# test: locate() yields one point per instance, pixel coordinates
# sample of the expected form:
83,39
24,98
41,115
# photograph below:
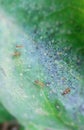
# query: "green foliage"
51,32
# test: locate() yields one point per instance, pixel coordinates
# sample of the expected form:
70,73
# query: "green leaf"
4,115
50,60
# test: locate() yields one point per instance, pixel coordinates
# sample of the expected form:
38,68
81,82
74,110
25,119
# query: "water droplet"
57,107
21,74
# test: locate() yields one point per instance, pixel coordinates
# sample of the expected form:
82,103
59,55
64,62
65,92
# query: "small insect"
66,91
39,83
16,54
19,46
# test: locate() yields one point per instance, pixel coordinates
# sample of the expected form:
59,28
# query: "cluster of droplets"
53,57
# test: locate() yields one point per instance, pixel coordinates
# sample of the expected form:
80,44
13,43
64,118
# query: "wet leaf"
48,35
